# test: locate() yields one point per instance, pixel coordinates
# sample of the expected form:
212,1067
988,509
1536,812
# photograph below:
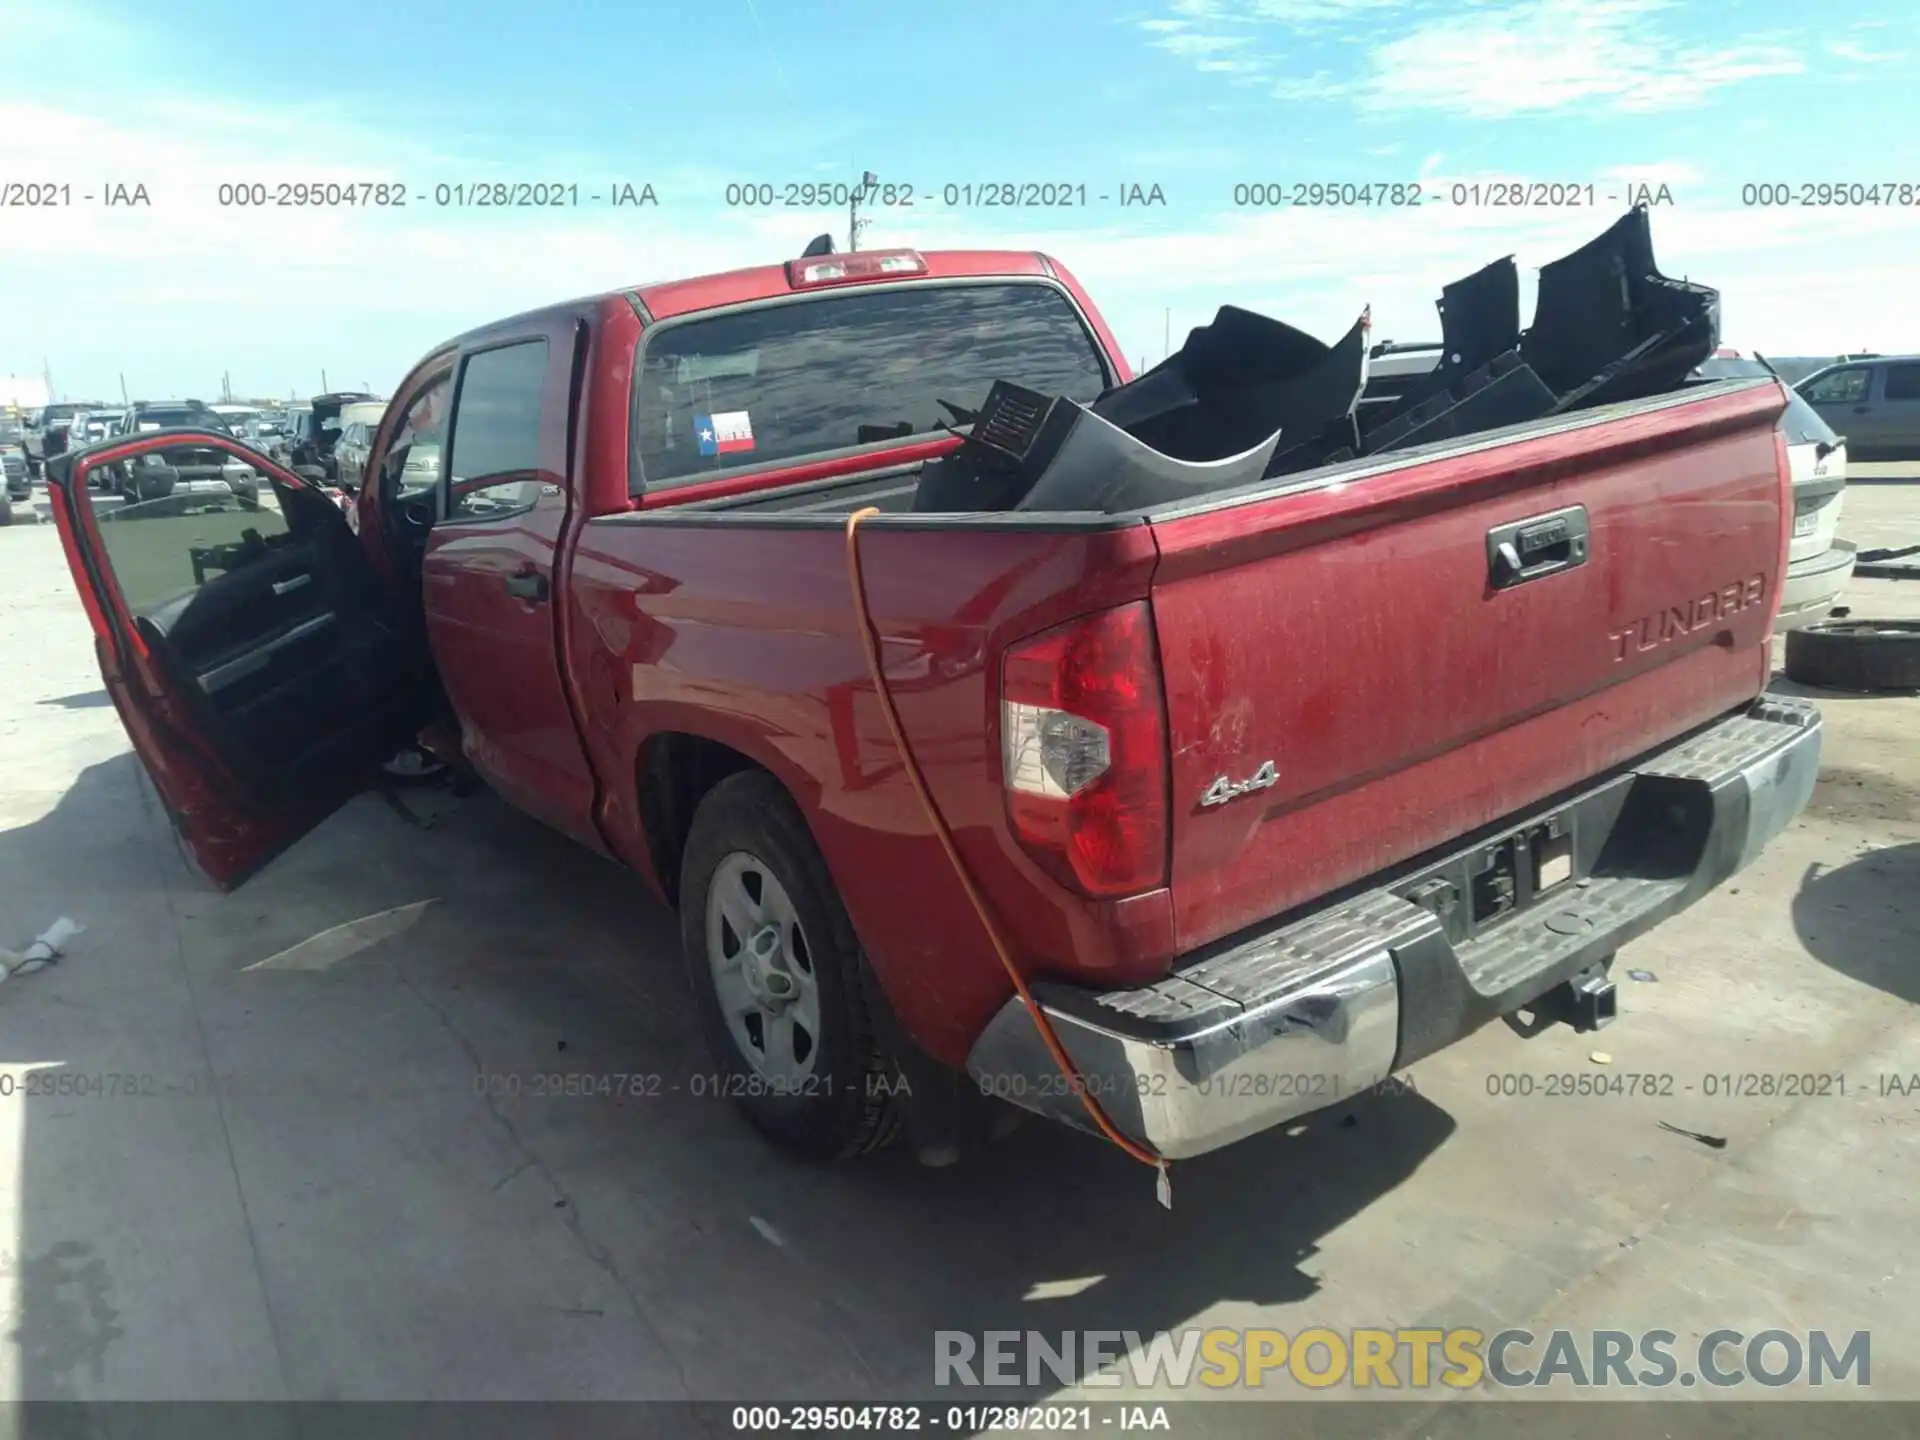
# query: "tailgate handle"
1535,548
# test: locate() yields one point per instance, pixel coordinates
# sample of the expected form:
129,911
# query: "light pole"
854,223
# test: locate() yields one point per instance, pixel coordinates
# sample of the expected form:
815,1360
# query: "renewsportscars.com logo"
1411,1359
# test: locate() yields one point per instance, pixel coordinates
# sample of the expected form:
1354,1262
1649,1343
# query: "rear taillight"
1084,752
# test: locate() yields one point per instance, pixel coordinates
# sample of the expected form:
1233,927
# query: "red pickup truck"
1271,789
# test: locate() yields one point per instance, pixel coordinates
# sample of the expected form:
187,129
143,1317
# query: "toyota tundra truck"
1270,781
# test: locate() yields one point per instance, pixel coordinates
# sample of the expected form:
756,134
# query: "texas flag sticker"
726,433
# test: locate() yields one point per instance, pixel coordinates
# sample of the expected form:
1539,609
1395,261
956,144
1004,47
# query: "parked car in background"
13,465
46,432
236,416
266,432
358,422
89,426
1394,368
1874,402
188,467
293,424
319,430
1819,562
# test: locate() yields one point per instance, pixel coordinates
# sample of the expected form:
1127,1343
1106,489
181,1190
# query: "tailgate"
1355,673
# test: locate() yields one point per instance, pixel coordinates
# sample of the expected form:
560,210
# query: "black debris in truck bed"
1247,389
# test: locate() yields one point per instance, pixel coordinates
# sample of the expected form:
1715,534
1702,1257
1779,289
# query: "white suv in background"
1819,562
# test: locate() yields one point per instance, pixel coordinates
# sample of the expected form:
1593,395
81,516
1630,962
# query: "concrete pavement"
307,1153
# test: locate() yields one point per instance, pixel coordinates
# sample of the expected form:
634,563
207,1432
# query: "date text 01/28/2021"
952,1419
460,195
949,195
1460,194
1245,1085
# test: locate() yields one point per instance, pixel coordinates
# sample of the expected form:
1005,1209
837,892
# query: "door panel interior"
269,624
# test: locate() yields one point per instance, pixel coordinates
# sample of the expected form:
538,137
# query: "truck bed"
892,489
1340,624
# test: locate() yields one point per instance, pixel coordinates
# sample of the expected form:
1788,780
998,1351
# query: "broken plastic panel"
1479,323
1608,327
1237,381
1029,451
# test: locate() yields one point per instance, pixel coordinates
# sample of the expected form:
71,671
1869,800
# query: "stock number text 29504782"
948,195
1434,194
443,195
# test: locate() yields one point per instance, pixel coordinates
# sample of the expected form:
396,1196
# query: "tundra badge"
1223,789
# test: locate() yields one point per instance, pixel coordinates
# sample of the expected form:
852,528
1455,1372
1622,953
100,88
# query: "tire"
1857,655
154,482
832,1096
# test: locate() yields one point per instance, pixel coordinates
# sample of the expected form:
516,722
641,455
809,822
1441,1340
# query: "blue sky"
1195,96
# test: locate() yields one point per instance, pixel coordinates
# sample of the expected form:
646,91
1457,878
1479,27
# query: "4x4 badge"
1224,789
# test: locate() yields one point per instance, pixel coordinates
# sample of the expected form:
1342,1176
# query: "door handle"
1860,409
528,585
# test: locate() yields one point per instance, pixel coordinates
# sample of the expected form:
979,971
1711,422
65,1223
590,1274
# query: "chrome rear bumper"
1298,1016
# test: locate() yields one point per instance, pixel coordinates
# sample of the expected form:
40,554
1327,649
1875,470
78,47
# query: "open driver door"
255,657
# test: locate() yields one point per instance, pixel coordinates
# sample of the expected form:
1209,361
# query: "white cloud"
1503,60
1320,85
174,296
1305,14
1488,60
1861,53
1223,37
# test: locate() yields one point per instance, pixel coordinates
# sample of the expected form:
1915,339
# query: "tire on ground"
1857,655
849,1105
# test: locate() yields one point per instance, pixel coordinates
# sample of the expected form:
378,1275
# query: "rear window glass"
846,370
162,419
1801,423
1903,382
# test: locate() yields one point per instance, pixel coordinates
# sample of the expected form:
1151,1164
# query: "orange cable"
870,643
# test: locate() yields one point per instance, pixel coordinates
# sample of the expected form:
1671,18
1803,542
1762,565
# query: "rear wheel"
783,991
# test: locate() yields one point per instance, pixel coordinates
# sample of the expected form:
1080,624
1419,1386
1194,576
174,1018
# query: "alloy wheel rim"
763,970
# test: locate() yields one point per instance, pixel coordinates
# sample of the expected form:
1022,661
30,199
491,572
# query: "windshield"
58,412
